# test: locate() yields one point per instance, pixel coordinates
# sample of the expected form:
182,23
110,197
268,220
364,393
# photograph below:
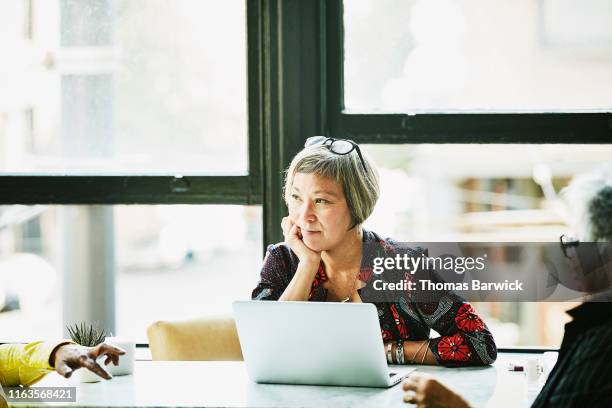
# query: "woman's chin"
314,243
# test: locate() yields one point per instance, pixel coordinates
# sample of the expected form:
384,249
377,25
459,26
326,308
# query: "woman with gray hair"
331,188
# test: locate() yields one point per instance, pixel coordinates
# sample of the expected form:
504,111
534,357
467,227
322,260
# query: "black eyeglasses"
337,146
567,242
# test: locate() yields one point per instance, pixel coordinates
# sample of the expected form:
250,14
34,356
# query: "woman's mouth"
310,233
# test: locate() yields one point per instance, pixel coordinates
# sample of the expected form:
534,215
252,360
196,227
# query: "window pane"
484,193
166,261
124,86
475,55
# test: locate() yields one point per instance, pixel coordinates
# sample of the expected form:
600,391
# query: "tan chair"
211,338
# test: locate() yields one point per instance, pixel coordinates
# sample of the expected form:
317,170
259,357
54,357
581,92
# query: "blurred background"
159,87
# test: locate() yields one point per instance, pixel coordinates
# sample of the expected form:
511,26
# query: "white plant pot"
85,376
126,361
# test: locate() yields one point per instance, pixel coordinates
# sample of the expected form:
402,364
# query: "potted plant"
88,335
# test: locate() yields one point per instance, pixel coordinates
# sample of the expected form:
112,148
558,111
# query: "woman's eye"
295,196
321,201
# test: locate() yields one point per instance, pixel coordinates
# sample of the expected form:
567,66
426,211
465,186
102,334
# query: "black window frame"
304,55
295,90
170,188
540,128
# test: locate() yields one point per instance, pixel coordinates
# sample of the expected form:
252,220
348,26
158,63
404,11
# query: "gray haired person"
331,188
582,376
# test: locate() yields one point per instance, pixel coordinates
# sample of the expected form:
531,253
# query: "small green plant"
88,335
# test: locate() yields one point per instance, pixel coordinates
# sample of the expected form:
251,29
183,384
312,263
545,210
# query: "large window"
165,262
477,55
405,77
124,87
106,103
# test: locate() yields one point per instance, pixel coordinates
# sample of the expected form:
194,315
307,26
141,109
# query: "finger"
286,221
283,222
111,357
105,348
410,397
63,369
296,233
289,224
410,383
293,230
113,350
286,226
94,367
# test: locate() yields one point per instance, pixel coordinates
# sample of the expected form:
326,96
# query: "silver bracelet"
426,350
400,352
389,358
413,360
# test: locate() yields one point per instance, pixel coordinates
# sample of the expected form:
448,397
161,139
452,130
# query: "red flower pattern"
365,273
386,335
399,323
467,319
387,247
454,348
320,277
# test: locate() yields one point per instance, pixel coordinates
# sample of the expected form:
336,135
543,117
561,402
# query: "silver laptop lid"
312,343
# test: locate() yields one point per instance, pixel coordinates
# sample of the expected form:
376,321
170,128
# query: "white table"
188,384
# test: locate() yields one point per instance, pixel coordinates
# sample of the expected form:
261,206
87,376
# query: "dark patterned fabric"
582,376
464,337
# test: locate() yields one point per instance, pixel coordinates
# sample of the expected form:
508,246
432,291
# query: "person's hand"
293,238
69,357
426,392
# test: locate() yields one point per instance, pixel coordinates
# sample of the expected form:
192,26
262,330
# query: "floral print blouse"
464,337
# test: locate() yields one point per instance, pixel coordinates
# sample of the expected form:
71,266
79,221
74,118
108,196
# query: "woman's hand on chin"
293,238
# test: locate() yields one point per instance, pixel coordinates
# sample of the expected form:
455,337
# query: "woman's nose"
307,212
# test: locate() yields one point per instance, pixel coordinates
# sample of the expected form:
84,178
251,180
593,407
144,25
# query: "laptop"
313,343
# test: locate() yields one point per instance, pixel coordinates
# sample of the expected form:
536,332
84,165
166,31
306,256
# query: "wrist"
417,347
310,265
53,354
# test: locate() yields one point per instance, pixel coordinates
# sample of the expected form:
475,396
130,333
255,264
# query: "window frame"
547,127
307,48
299,42
170,188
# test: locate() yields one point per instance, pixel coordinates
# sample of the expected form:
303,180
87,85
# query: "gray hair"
361,189
590,199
